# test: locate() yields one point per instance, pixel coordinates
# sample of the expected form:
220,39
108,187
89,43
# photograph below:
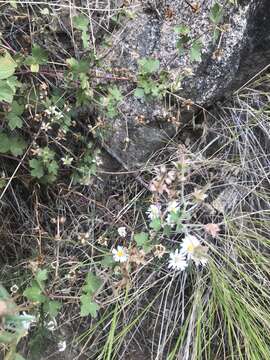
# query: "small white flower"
51,325
14,288
51,110
122,231
177,261
173,206
59,115
120,254
62,345
45,126
98,160
192,248
153,212
67,160
199,195
188,245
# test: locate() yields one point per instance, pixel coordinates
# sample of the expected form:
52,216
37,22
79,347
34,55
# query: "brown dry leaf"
188,104
196,7
160,250
199,195
158,186
137,256
212,229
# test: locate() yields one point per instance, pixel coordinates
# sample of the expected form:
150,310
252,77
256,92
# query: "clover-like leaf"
148,66
92,283
88,307
7,66
216,13
196,51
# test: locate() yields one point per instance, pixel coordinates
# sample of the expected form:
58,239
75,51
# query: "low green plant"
14,326
150,82
12,144
8,82
39,57
91,286
86,166
81,22
36,293
44,166
112,100
186,43
216,16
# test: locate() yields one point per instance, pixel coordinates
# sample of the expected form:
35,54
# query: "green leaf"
17,108
6,92
167,230
17,145
155,224
116,93
34,293
34,68
216,34
85,39
13,83
7,66
53,167
14,144
92,283
107,261
14,121
139,93
39,54
39,57
18,357
52,307
216,13
7,337
148,66
81,22
41,276
37,168
88,307
180,45
4,144
77,67
196,51
182,29
142,240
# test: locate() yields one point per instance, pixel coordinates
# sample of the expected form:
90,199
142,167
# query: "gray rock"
244,49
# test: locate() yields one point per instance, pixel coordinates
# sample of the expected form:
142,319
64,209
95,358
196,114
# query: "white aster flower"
62,345
154,212
177,261
192,248
122,231
173,206
120,254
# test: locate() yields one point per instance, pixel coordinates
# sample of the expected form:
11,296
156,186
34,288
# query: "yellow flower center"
190,248
120,253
